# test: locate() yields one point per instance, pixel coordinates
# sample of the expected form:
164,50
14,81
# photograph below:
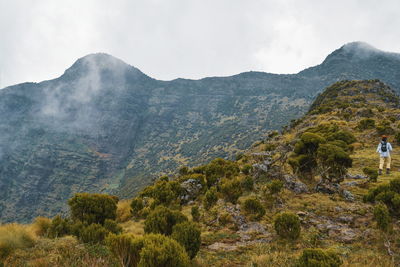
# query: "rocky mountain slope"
264,209
104,126
333,213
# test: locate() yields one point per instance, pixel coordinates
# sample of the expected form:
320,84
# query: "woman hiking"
384,149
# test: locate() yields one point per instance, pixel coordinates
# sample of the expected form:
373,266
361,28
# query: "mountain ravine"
104,126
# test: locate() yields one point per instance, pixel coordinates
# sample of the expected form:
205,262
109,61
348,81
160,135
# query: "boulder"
294,184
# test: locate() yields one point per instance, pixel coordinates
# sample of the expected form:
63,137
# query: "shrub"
112,226
248,183
287,225
333,162
159,250
254,207
304,165
220,168
137,206
59,227
188,235
387,194
371,173
275,187
12,237
42,226
93,208
309,143
382,218
183,170
344,136
195,213
317,257
126,248
366,124
163,192
93,233
246,169
231,190
161,220
210,198
397,137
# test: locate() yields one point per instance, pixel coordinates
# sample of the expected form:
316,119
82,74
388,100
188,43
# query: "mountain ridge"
113,130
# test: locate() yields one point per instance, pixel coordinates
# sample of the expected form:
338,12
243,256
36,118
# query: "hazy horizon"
186,39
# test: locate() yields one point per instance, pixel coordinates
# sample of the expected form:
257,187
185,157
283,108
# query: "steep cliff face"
105,126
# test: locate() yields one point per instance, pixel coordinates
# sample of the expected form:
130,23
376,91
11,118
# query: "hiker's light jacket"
387,153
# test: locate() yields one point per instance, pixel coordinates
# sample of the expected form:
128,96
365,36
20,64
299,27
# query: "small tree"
161,220
210,198
188,235
287,225
333,162
93,208
231,190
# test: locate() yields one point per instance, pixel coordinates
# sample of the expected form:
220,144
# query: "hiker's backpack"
383,146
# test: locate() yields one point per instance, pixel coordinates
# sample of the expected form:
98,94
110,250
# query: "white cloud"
187,38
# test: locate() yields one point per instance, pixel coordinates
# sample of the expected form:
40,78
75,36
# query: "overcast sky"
168,39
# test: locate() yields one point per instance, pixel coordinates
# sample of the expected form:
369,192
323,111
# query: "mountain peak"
359,46
100,62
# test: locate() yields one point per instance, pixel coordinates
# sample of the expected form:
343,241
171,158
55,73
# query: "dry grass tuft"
124,211
14,236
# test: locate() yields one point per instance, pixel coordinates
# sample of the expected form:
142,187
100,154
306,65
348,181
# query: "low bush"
287,225
137,206
93,233
41,226
388,194
126,248
248,183
159,250
231,190
112,226
246,169
253,207
318,257
371,173
93,208
161,220
382,218
59,227
188,235
195,213
275,187
366,124
210,198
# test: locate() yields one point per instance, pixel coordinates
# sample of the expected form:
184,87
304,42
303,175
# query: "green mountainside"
309,196
104,126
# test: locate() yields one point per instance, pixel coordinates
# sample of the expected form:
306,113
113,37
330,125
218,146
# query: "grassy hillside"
236,204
